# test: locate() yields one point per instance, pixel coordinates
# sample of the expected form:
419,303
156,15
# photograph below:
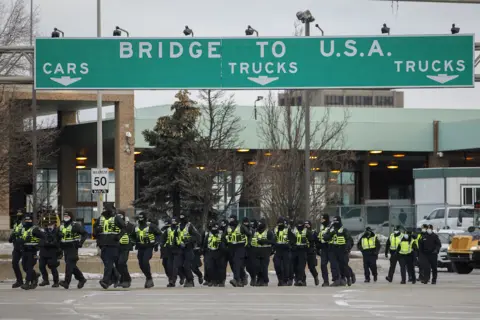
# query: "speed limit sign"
99,180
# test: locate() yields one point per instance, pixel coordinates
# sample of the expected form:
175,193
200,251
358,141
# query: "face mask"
141,219
261,227
405,236
183,220
233,223
66,219
368,233
396,232
300,228
214,231
424,230
50,228
281,227
429,231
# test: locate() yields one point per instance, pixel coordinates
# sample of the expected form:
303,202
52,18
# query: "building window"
384,101
331,100
470,194
46,189
281,102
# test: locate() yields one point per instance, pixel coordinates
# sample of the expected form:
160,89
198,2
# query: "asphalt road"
454,297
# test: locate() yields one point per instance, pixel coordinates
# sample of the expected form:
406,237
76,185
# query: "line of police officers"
246,246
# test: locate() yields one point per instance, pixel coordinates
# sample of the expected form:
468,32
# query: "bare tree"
16,151
282,168
212,181
15,31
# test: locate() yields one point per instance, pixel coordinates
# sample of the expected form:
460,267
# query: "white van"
453,218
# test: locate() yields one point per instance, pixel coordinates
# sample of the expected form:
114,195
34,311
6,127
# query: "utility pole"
34,127
306,103
99,115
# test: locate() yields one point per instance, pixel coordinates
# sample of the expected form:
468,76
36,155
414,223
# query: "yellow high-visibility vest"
369,243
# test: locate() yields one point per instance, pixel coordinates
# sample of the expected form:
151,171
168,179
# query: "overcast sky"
217,18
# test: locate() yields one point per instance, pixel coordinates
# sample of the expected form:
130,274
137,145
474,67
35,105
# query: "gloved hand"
386,255
155,248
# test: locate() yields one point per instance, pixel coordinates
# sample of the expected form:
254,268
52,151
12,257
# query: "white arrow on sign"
442,78
262,80
65,80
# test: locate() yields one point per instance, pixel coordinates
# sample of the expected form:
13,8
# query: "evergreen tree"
167,161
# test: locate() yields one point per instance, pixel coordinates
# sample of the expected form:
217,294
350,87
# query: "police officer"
49,254
145,234
113,225
303,236
338,254
203,247
30,238
72,235
186,235
126,241
312,254
405,257
214,246
419,255
323,248
391,247
16,239
227,256
430,246
197,261
282,259
237,237
250,258
262,242
165,253
369,245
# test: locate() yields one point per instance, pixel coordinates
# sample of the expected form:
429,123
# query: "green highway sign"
253,63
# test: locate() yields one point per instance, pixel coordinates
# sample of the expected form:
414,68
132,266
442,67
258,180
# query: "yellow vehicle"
464,250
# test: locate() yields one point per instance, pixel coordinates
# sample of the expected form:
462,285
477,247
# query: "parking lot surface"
454,297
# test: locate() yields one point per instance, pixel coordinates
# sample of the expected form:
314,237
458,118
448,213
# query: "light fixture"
57,32
332,180
80,167
276,166
30,164
201,168
243,150
111,169
137,152
259,98
315,169
385,29
321,30
187,31
118,32
268,154
313,157
469,158
454,29
250,31
376,151
399,155
373,164
305,16
335,171
392,166
252,163
81,158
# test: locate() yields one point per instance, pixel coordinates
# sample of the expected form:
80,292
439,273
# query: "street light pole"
34,127
99,115
307,139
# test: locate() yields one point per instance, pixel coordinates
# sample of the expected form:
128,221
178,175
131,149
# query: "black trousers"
261,261
299,261
282,263
109,255
52,262
16,257
406,266
239,255
429,265
197,263
144,255
339,262
369,265
249,261
214,266
324,264
312,263
29,260
182,260
393,264
70,256
419,259
122,264
225,262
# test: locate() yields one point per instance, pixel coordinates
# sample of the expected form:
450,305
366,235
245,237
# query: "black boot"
64,284
200,280
55,284
81,283
104,284
149,284
189,284
233,282
326,284
17,285
26,286
317,282
44,283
